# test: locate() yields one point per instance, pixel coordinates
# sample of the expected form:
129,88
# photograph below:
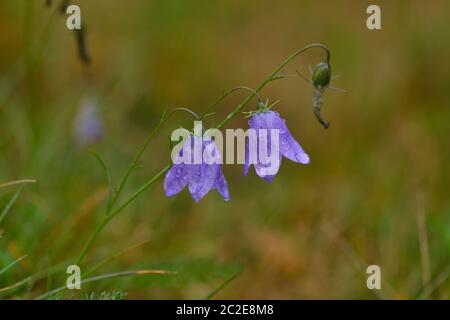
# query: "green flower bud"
322,75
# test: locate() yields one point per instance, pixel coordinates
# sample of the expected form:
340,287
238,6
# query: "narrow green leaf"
16,182
11,264
108,276
114,256
223,285
9,205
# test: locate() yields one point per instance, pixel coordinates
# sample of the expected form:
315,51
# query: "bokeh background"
376,191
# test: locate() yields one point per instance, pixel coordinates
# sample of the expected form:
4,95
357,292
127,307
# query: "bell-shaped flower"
198,165
269,140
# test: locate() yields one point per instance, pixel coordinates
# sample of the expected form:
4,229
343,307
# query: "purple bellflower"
271,141
200,176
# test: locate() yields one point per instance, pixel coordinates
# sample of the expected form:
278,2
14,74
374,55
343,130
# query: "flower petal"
267,166
176,179
290,148
200,178
203,180
262,120
269,171
247,160
222,186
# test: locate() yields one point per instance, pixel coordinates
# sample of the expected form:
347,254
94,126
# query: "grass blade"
11,264
35,277
109,276
12,183
9,205
114,256
108,177
223,285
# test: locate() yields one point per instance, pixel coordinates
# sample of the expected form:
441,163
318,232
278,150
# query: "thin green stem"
97,231
9,205
138,156
35,277
226,94
109,212
92,239
223,285
192,113
270,78
140,190
113,257
134,163
12,264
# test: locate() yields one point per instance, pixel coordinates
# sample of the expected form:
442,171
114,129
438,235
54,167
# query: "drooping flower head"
270,141
199,176
321,77
320,80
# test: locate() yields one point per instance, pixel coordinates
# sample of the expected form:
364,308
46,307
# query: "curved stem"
138,156
134,163
226,94
272,77
185,110
146,185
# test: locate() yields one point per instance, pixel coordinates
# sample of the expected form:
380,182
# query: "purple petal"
200,178
290,148
211,155
247,160
222,186
266,120
203,180
262,120
261,170
176,179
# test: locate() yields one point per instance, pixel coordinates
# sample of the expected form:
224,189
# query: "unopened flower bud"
322,75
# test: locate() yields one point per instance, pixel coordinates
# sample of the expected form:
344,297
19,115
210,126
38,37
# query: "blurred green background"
376,191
